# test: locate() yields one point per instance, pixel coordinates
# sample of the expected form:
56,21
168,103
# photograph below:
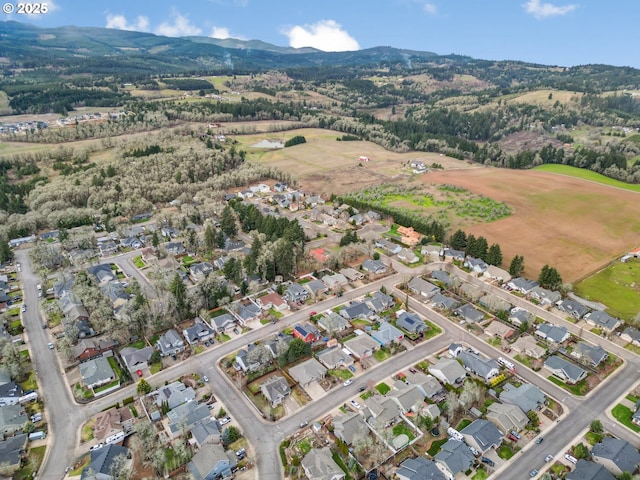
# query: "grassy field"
574,225
617,286
587,175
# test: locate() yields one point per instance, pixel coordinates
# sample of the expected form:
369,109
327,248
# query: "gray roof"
450,252
206,429
484,367
387,333
521,315
523,284
423,287
632,332
485,433
441,276
197,331
295,290
223,321
429,384
185,416
442,301
595,353
573,308
456,456
96,371
134,356
12,417
275,388
411,322
528,397
175,394
469,313
332,321
408,398
374,266
356,310
419,468
170,341
565,369
586,470
315,286
620,452
308,371
362,345
318,464
211,462
451,370
348,427
603,319
11,447
553,332
101,461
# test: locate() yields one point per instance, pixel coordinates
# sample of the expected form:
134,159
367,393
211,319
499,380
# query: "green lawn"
342,373
366,395
623,414
481,474
381,355
155,367
138,262
401,429
463,423
579,388
432,331
616,286
505,452
587,175
34,459
383,388
116,368
436,445
30,383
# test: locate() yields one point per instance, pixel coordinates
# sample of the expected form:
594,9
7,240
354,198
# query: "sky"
554,32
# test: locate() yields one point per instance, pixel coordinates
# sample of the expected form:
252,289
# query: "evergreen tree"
458,240
179,292
549,278
155,240
481,248
494,255
6,253
228,222
517,266
470,248
209,237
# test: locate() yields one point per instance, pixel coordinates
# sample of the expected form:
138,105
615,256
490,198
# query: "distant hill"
250,45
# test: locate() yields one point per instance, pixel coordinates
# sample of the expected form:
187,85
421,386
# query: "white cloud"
544,10
179,26
326,35
121,23
430,8
223,33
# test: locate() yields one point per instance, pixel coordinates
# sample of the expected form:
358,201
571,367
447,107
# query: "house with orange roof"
320,254
409,236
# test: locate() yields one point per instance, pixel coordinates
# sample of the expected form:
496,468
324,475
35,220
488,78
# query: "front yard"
624,414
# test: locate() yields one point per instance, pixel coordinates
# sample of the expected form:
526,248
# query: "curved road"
66,417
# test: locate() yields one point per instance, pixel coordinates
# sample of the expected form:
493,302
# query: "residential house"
411,322
455,457
430,410
352,274
103,273
246,362
361,346
296,293
527,345
469,313
374,266
455,349
219,262
589,354
451,254
116,293
111,422
308,372
448,370
316,287
387,334
522,285
319,254
443,302
331,322
356,310
212,462
408,256
433,251
223,322
409,399
200,331
200,271
12,449
616,455
482,435
495,304
272,301
409,236
565,371
419,468
275,390
526,396
476,265
427,384
586,470
107,247
495,273
174,394
573,308
86,349
631,334
423,288
357,219
307,332
335,282
136,358
379,302
487,368
174,248
380,411
602,320
278,343
442,277
97,372
499,330
519,316
131,242
181,419
246,312
349,427
12,418
319,464
552,333
388,246
507,416
544,296
170,343
373,216
206,431
334,358
102,460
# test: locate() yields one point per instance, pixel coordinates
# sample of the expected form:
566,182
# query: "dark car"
362,388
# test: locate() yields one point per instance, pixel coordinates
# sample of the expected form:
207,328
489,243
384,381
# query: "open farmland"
587,175
574,225
324,165
617,286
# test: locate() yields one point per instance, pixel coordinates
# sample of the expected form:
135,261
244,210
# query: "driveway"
315,391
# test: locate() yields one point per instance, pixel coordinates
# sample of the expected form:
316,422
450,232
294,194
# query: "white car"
347,383
23,308
355,404
97,446
225,420
50,345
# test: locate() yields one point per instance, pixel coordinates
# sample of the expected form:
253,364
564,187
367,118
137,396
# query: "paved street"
65,416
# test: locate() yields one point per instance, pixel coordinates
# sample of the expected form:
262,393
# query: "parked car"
97,446
23,308
515,434
488,461
533,473
539,440
511,437
413,370
362,388
304,424
548,458
355,404
225,420
50,345
573,460
139,372
348,382
205,378
241,453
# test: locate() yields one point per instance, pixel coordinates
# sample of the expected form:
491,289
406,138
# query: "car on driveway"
347,383
355,404
548,458
225,420
205,378
139,372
